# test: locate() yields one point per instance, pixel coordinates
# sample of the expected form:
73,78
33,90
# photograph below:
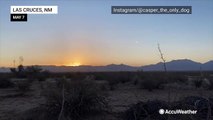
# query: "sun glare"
74,64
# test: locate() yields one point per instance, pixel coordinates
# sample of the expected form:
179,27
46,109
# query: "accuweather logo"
178,111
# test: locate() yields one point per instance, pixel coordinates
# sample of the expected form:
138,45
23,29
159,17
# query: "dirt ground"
13,103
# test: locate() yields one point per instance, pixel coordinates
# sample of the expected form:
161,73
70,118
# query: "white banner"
34,9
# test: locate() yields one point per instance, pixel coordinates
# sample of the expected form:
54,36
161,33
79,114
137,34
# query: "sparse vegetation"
211,83
198,83
151,82
146,110
136,79
85,95
81,98
148,84
24,85
32,72
150,110
5,83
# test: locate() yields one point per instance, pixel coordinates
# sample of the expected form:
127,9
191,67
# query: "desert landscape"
106,60
30,93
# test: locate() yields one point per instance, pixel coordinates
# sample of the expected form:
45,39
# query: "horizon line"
105,64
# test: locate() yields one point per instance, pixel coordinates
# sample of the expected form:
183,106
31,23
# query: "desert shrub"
24,85
182,79
60,82
103,85
19,72
148,84
136,79
6,83
26,72
80,99
146,111
99,76
89,77
42,76
124,78
198,83
211,83
135,82
152,81
112,84
150,110
204,106
112,80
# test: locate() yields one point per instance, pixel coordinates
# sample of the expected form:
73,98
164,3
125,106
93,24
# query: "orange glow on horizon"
74,64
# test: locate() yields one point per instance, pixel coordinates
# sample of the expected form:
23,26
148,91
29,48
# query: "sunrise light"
74,64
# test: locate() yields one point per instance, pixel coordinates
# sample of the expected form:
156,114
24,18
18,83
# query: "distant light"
74,64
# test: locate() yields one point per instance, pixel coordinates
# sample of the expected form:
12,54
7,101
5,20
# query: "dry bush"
80,99
43,76
112,83
151,82
24,85
148,84
198,83
211,83
150,110
136,79
6,83
124,78
146,111
113,80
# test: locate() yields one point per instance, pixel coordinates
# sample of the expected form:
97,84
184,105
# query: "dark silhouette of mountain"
87,68
208,65
174,65
120,67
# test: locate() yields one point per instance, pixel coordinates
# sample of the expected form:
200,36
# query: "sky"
86,33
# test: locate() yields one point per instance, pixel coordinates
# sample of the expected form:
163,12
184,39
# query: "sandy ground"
128,94
13,103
